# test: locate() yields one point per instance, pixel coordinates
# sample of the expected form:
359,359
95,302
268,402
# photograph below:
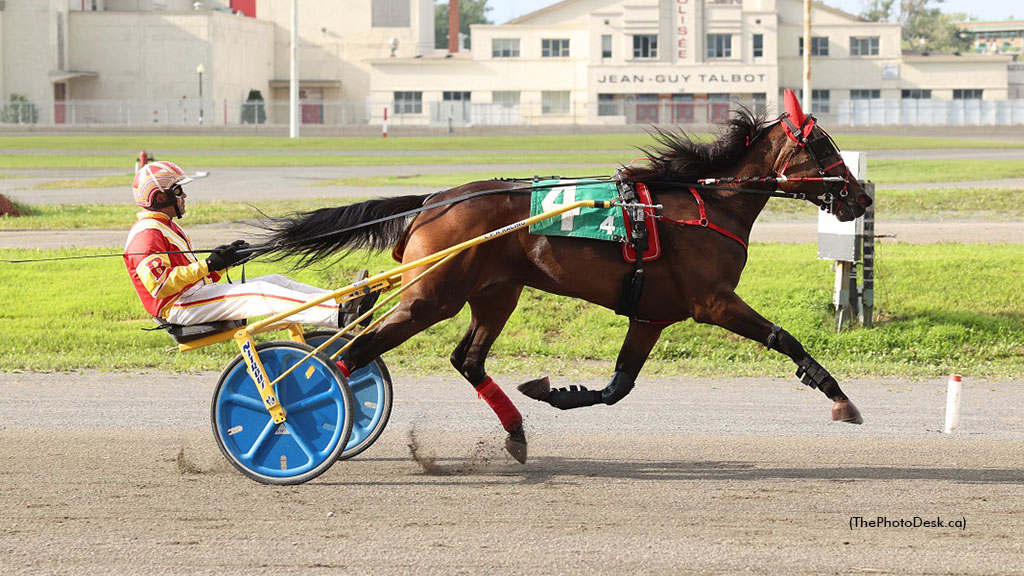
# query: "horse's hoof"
537,389
845,411
515,443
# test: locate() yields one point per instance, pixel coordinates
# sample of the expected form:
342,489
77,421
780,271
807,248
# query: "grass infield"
940,308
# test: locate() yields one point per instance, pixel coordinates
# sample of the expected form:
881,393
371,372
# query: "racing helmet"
157,177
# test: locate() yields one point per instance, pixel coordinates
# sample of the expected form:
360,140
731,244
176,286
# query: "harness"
823,150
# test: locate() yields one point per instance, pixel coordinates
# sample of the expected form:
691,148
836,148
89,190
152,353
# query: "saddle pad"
594,223
653,251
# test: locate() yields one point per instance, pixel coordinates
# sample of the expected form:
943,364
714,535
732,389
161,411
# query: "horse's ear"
796,114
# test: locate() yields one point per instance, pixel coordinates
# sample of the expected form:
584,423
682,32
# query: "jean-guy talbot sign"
693,77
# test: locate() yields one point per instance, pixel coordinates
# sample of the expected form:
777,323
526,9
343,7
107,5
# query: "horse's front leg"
640,339
491,308
729,311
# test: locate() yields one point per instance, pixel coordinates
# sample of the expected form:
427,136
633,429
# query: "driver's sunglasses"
177,191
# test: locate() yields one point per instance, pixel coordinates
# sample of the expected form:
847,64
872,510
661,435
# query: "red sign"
682,34
246,7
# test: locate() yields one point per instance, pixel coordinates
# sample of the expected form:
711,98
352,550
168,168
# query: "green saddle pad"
596,223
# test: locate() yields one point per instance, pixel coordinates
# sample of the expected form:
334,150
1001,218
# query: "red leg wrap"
344,369
507,412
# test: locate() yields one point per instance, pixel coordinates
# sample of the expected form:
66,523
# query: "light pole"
199,70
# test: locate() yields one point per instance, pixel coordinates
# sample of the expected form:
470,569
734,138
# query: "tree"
253,111
878,11
470,12
19,111
924,26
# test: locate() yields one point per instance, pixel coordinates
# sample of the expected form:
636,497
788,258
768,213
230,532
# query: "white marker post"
953,388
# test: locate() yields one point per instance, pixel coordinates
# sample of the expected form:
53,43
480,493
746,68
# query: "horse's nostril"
864,200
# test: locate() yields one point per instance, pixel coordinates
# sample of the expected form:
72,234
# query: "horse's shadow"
562,470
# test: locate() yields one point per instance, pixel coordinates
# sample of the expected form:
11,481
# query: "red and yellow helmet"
156,177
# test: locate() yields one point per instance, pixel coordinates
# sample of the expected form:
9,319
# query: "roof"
559,5
992,25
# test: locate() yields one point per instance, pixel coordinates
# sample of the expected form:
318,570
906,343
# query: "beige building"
602,62
674,61
139,61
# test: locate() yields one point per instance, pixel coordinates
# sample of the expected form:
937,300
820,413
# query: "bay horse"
695,277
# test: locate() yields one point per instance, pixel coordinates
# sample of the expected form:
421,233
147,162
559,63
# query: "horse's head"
810,166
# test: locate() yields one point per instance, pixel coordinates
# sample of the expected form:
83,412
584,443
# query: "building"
162,62
674,61
995,36
597,62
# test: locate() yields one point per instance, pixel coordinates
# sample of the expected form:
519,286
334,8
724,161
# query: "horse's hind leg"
640,339
414,315
730,312
491,308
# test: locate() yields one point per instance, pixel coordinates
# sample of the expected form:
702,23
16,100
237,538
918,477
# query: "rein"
831,203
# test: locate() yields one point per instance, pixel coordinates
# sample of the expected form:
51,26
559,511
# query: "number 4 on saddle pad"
595,223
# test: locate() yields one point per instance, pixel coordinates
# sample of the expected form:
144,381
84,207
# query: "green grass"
908,171
984,203
165,144
192,161
932,319
118,216
119,181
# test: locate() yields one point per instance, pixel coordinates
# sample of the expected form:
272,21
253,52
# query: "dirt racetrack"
114,473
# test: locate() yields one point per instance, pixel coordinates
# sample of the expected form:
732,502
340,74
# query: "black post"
867,293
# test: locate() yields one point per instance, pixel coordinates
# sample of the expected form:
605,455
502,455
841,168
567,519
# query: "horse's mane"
679,158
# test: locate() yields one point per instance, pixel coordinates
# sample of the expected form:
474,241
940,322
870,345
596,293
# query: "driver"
181,288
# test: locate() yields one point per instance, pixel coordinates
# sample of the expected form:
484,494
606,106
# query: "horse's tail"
330,232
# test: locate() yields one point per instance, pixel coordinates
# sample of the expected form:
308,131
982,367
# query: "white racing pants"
261,296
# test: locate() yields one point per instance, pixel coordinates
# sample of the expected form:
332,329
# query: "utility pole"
805,101
199,70
293,83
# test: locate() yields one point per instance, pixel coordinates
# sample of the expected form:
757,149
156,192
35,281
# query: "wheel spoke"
312,402
268,430
302,444
243,401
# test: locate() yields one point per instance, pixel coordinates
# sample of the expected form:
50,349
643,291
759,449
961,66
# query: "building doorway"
60,97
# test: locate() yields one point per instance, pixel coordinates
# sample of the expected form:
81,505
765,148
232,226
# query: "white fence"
450,114
926,112
192,112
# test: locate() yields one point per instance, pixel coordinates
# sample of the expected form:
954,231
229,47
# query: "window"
645,46
967,94
554,48
819,101
505,97
408,102
719,46
760,102
455,96
864,46
758,45
554,102
607,106
916,94
390,14
865,94
505,48
606,46
819,46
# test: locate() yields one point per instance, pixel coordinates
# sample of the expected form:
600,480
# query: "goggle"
176,189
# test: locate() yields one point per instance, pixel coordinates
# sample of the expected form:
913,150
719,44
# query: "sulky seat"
181,333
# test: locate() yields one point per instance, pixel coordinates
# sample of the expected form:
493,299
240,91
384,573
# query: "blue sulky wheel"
319,414
371,386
